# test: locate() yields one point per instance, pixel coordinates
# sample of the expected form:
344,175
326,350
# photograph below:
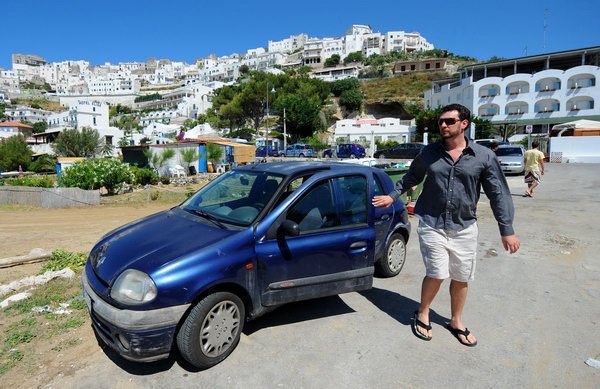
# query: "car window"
315,210
354,192
236,197
377,186
509,152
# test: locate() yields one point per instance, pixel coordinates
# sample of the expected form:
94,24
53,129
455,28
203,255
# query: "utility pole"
545,26
284,132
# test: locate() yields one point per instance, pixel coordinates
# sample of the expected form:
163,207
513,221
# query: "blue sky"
182,30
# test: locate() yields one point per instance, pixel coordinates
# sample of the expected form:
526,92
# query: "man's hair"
535,144
463,112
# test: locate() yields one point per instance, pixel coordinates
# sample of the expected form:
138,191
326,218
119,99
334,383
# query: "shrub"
144,176
97,173
38,182
45,163
61,259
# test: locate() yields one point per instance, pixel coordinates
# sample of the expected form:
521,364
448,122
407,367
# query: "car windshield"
236,197
509,152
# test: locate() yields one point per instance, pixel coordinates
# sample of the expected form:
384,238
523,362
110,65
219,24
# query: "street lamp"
267,126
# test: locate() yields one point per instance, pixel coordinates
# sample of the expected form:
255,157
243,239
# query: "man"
494,146
454,171
534,166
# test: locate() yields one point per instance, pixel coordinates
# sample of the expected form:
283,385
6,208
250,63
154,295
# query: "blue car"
256,237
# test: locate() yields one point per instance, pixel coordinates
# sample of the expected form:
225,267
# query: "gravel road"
535,313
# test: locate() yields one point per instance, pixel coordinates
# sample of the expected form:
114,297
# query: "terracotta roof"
14,124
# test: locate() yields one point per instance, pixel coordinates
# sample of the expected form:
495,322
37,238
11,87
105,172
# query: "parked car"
345,150
489,142
297,150
511,158
400,151
260,152
254,238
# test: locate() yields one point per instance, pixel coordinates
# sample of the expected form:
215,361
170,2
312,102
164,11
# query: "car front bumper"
141,336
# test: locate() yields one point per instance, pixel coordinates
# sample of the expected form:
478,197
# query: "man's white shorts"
449,253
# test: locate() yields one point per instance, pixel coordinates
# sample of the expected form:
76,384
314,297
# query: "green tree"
332,61
339,86
351,99
159,160
14,152
129,125
214,152
74,143
39,127
189,156
356,56
483,128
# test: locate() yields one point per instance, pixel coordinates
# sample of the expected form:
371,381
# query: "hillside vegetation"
402,89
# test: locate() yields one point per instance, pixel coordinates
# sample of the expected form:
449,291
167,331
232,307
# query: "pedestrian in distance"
454,171
534,167
494,146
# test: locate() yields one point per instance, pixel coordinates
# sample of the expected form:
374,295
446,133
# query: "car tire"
282,155
301,155
394,257
352,156
381,156
211,330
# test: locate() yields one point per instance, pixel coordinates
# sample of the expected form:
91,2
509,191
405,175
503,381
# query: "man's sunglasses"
448,121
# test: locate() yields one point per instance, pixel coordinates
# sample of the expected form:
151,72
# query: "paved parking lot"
536,315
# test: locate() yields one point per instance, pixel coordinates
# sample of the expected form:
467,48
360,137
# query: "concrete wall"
48,197
584,149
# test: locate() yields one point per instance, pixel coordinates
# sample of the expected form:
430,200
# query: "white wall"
585,149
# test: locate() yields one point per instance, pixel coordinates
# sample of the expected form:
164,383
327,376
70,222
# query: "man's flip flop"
456,332
416,322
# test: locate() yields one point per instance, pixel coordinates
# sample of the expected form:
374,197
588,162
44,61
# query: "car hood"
149,243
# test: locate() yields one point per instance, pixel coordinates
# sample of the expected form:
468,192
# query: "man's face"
450,125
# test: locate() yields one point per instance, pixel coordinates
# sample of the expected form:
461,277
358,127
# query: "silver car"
511,158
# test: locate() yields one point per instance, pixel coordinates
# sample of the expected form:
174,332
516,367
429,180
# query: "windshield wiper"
207,216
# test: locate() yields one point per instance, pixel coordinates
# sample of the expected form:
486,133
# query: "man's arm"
413,177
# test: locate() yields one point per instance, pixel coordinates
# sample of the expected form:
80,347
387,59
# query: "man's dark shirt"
451,189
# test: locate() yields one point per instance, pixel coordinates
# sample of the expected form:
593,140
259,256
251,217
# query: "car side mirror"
289,228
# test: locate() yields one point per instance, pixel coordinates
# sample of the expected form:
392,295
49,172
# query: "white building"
84,113
336,73
540,90
26,113
368,130
288,45
405,42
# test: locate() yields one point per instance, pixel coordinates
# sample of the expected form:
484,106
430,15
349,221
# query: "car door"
332,253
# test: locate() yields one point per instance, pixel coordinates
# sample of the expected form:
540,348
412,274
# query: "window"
316,210
354,191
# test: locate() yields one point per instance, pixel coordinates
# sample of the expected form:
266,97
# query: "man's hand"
511,243
382,201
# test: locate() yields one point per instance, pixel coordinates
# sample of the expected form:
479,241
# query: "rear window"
509,151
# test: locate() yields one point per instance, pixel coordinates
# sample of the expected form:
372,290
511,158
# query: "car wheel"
352,156
393,260
282,155
301,155
211,330
381,156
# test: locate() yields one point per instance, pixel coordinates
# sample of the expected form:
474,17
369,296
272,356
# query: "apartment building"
540,90
288,45
23,113
367,129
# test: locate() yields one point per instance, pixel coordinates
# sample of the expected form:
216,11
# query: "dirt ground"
521,309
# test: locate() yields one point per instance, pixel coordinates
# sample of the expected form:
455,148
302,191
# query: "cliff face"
390,109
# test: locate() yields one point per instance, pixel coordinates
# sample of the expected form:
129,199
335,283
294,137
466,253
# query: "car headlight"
133,287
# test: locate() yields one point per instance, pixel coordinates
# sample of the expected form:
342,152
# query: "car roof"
294,168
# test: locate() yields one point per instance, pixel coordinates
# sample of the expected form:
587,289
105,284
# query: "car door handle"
384,217
358,245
